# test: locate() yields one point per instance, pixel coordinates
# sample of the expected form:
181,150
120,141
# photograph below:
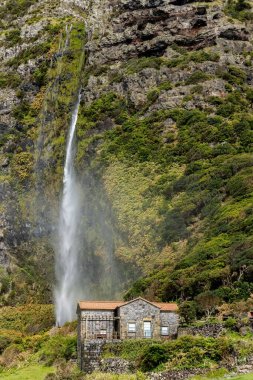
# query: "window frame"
147,333
131,330
167,329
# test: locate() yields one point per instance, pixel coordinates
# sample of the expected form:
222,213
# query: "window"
147,330
132,327
164,330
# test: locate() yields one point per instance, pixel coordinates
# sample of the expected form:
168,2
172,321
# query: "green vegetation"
49,89
177,183
197,77
30,53
10,79
13,37
27,348
30,372
243,377
191,211
28,319
58,347
184,353
218,375
15,8
136,65
240,9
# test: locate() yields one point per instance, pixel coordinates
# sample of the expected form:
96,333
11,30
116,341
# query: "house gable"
136,316
139,299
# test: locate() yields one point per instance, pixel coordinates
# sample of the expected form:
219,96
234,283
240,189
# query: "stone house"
137,318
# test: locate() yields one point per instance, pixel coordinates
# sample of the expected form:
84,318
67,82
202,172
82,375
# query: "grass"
218,375
31,372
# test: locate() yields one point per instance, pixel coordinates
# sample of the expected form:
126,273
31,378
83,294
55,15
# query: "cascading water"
67,262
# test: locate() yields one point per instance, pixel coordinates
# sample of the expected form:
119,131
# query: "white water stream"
67,257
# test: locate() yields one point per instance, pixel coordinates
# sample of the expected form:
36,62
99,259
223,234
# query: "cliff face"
164,144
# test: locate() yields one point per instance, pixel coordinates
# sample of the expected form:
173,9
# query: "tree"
188,311
207,302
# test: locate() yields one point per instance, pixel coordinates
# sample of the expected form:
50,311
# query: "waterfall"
67,262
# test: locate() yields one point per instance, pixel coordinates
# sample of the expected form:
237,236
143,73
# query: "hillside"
164,146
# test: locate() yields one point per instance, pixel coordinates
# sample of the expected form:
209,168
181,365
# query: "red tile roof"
112,305
99,305
165,306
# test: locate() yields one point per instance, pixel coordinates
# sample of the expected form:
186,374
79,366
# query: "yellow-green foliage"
138,209
179,180
222,374
28,319
58,347
64,81
185,352
22,165
10,79
30,372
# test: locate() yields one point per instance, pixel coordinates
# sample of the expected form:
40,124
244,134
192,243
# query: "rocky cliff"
164,144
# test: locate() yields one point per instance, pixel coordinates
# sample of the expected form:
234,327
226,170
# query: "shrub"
40,72
208,302
5,341
230,323
30,53
249,95
59,347
10,355
27,319
188,311
233,75
137,65
13,37
152,357
15,8
196,77
239,9
197,56
9,79
153,95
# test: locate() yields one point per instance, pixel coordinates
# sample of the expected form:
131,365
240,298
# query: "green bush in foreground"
58,347
184,353
153,356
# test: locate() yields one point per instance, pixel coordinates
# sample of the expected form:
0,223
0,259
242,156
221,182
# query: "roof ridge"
98,301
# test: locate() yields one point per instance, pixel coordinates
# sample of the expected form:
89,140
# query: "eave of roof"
112,305
99,305
166,306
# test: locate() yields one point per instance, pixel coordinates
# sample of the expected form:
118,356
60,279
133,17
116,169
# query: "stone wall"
183,374
92,322
116,365
208,330
90,354
170,320
139,312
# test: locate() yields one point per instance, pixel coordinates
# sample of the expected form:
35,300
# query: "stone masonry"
138,312
100,322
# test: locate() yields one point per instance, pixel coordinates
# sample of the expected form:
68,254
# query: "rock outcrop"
166,112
